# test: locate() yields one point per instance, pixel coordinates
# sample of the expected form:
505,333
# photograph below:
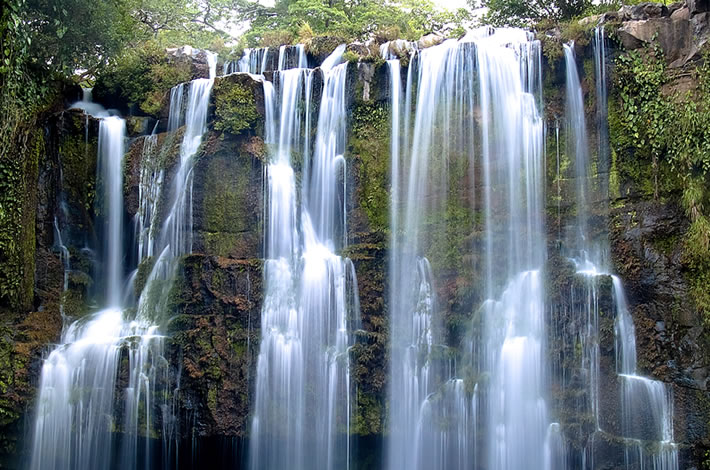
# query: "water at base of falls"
85,419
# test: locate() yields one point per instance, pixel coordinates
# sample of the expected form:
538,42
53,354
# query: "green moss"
144,269
575,31
235,107
368,415
552,50
322,46
614,191
8,410
18,199
225,201
351,56
77,155
220,243
212,399
370,145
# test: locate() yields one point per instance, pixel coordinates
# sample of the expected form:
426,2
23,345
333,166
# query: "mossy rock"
227,197
369,149
139,80
235,100
320,47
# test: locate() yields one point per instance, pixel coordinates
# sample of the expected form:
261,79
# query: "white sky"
451,4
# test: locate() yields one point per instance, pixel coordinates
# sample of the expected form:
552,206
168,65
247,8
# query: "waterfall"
176,113
602,105
78,415
472,107
112,131
149,190
646,405
254,61
72,428
286,60
577,147
301,414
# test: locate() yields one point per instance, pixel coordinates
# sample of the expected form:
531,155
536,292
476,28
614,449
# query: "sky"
451,4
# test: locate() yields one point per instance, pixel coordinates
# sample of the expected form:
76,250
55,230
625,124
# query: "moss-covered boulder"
238,104
320,47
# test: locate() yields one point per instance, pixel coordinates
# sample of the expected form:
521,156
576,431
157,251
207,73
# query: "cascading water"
603,149
255,61
497,71
514,324
78,413
76,393
301,414
578,146
646,405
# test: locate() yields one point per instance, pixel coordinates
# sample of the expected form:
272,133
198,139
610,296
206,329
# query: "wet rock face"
214,343
698,6
228,198
647,248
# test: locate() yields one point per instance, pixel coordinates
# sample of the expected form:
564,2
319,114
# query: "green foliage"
350,56
667,134
235,107
142,75
300,20
369,142
526,13
18,173
8,411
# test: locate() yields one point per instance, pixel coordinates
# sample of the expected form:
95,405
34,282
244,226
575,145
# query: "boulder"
430,40
643,11
673,35
681,14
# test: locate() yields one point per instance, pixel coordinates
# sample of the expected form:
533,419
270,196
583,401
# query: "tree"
529,12
351,19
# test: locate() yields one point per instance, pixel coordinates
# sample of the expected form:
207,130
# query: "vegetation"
235,107
667,133
542,14
525,13
299,20
142,75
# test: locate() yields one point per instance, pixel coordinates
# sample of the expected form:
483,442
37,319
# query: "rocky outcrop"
228,198
680,30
